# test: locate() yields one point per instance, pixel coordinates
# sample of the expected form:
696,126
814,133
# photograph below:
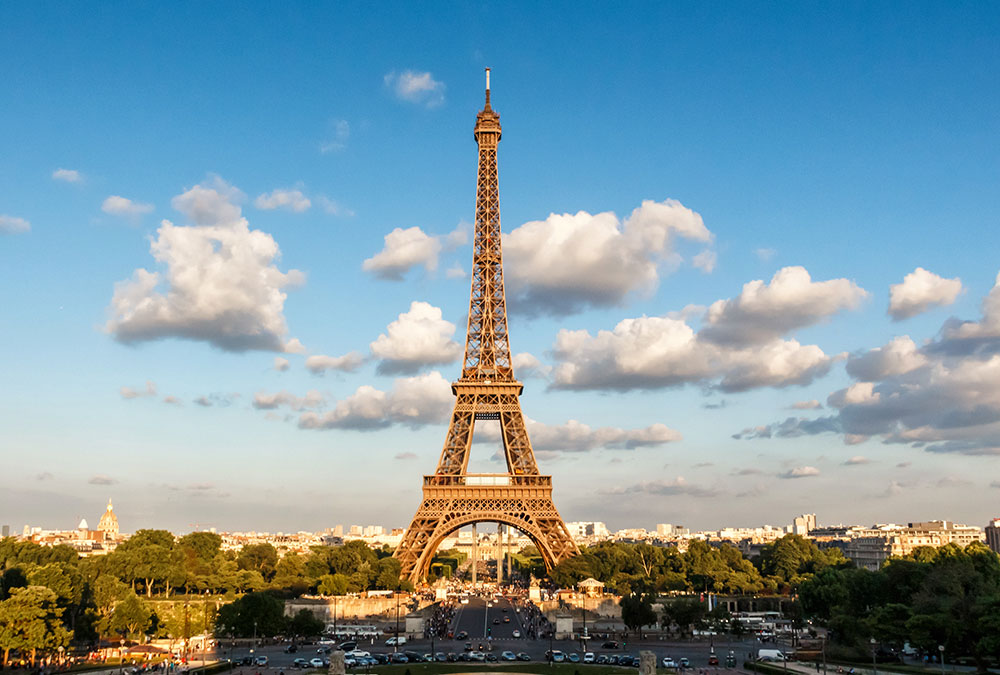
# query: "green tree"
131,616
261,558
637,610
261,609
332,584
305,624
30,620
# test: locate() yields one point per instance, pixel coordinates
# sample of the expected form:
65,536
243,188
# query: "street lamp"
874,667
941,650
395,643
121,656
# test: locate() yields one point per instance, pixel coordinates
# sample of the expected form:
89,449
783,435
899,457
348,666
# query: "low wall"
351,607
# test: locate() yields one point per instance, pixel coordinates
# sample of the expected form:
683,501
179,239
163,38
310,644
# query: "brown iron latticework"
486,390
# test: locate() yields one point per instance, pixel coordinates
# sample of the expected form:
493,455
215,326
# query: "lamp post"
941,652
874,667
395,643
121,655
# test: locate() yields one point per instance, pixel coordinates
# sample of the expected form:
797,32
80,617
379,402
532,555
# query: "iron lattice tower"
487,390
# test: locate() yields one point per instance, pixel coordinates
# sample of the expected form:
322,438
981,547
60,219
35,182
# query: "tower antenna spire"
487,87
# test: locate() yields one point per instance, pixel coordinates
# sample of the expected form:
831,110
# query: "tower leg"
499,554
475,553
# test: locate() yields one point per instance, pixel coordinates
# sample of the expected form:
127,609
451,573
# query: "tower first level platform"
454,501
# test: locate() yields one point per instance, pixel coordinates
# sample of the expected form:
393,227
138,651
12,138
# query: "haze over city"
750,258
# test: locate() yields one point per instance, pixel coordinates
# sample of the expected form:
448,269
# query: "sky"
751,256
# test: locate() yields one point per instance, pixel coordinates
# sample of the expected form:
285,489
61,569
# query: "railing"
486,479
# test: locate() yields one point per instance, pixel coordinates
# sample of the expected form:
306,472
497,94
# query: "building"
804,524
583,530
108,525
871,548
993,535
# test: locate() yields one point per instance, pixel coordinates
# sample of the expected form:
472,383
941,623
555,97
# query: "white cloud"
172,400
216,400
126,208
281,364
705,261
919,291
527,365
417,338
67,175
148,390
898,357
655,352
412,247
663,488
566,263
265,401
792,300
221,283
288,199
294,346
212,202
416,87
348,363
413,401
765,254
102,479
336,140
856,460
13,225
807,405
404,249
455,272
405,455
332,207
943,397
575,436
800,472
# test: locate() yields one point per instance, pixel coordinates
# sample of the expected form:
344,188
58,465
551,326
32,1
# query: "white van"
771,655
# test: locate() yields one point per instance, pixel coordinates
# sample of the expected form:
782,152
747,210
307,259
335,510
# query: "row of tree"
630,568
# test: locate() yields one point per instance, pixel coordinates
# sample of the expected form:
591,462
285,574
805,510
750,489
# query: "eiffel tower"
487,390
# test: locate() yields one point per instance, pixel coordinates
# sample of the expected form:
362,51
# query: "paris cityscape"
719,392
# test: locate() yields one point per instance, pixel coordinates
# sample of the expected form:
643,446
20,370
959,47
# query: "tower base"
454,501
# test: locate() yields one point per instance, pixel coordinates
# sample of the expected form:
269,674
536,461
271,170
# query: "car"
428,658
612,659
452,657
399,657
462,635
349,645
441,657
713,660
668,662
508,655
491,657
731,660
601,659
291,649
300,663
349,662
261,660
516,633
468,647
477,656
610,644
523,656
391,642
573,657
247,661
558,657
685,662
382,659
316,662
506,619
589,657
496,622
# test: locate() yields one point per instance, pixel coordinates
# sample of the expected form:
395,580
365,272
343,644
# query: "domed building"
109,524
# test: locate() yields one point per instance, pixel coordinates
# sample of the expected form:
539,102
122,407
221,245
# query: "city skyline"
748,267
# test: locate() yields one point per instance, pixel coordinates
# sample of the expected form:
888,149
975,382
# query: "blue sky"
826,151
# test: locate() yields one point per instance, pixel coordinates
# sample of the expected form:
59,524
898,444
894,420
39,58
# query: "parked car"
261,660
601,659
684,662
441,657
668,662
300,663
573,657
589,657
612,659
523,656
316,662
491,657
399,657
508,655
713,660
558,657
